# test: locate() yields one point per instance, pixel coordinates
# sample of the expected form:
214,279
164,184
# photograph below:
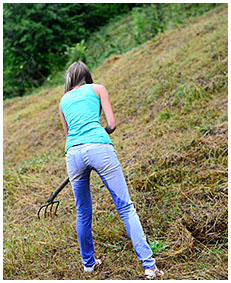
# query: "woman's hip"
97,156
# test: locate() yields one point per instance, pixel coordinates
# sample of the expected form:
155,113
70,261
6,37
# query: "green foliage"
77,52
157,246
147,22
176,13
36,37
142,23
41,39
166,114
176,169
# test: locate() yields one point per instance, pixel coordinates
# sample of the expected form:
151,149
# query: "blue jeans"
102,158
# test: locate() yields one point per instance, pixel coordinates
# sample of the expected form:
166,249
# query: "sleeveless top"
82,108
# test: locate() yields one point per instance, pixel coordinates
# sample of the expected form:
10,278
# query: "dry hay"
176,169
181,240
208,222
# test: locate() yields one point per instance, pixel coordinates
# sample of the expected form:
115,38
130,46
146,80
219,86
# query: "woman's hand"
102,93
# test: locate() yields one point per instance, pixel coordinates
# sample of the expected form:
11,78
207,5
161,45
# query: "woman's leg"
106,164
81,189
80,182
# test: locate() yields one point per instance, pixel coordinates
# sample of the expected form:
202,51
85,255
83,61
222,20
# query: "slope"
169,97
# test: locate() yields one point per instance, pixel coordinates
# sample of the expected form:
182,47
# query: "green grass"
129,31
169,97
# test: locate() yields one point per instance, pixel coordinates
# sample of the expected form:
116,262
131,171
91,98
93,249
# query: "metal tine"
57,201
45,213
50,200
46,207
51,208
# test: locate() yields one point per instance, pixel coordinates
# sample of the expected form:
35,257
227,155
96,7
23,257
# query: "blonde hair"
77,74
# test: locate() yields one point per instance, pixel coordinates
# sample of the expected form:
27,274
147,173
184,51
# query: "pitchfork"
50,200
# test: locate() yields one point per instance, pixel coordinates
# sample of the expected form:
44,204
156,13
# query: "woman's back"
81,108
80,115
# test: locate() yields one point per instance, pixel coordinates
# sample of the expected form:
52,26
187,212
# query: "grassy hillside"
127,31
170,98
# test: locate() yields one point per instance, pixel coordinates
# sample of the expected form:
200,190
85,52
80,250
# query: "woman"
89,147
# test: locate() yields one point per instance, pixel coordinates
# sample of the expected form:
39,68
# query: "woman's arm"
102,93
63,120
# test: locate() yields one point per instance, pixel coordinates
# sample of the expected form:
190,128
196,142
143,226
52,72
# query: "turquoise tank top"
82,108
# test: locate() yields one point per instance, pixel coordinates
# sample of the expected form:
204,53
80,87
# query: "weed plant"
125,32
169,97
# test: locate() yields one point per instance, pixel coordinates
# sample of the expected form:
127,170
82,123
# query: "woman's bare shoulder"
98,89
98,86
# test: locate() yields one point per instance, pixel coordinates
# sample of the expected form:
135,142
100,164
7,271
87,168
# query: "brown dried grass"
170,101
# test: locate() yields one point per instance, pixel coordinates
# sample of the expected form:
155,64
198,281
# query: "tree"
37,35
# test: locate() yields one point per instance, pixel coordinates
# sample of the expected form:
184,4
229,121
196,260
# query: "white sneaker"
91,268
154,272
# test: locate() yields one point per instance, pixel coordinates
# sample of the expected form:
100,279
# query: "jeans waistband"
83,145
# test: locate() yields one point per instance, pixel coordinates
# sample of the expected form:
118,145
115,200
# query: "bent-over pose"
89,147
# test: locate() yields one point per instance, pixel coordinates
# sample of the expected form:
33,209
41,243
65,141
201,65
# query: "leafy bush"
40,39
142,23
147,22
36,37
77,52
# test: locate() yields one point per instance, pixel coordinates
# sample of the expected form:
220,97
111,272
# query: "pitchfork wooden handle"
58,189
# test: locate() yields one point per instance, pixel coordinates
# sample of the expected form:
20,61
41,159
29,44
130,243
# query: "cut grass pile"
170,98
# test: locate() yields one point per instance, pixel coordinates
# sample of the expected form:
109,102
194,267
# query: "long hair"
77,74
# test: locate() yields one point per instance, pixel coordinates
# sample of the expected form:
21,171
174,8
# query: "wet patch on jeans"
119,203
